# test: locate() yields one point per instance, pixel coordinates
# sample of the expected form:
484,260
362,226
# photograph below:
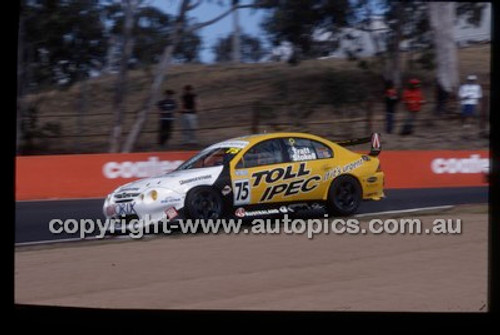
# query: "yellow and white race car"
257,175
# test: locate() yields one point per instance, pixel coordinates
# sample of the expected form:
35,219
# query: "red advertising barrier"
95,175
436,168
88,176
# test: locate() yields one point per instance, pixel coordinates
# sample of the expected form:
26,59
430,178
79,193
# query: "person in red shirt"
413,100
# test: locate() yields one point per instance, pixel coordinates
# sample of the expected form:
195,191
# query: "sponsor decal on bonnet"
190,180
169,200
124,189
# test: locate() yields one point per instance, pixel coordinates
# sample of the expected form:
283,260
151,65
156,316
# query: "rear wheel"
204,203
344,196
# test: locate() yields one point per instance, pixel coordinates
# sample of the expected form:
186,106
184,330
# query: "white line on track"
67,240
409,210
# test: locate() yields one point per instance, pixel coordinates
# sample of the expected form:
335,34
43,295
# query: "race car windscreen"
209,158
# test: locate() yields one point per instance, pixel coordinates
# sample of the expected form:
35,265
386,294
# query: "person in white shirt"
469,94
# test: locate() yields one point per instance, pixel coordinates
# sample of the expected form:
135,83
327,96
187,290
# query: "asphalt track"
33,217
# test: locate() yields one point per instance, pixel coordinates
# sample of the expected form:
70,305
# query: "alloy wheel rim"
206,205
344,196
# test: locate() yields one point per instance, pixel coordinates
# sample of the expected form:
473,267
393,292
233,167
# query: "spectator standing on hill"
413,100
391,99
469,95
189,118
167,107
441,98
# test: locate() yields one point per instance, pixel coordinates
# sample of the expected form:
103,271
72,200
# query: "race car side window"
263,153
322,151
303,149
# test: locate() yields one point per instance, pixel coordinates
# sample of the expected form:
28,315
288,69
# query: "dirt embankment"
325,97
267,272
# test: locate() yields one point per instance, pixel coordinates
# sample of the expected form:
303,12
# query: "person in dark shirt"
167,107
391,99
189,118
441,99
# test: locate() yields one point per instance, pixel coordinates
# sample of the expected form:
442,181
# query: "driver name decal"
302,154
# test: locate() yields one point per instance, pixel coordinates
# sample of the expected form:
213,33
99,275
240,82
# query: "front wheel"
344,196
204,203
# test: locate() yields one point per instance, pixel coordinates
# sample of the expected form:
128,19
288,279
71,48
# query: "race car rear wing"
376,146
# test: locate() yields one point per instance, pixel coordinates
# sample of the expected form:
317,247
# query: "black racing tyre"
204,203
344,196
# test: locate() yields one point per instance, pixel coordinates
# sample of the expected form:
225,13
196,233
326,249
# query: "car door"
254,171
315,159
274,171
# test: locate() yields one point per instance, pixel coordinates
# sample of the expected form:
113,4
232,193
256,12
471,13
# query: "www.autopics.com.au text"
137,228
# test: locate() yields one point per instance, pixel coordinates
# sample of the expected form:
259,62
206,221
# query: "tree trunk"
441,17
161,69
484,111
82,110
20,75
121,80
110,55
236,47
396,55
161,72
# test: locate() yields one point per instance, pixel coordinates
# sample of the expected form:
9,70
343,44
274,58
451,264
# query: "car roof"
252,139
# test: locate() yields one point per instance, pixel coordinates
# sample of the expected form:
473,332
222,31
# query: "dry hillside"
325,97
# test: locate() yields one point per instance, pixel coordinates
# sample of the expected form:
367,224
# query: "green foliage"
188,50
295,21
63,40
412,19
151,34
472,11
250,48
415,20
